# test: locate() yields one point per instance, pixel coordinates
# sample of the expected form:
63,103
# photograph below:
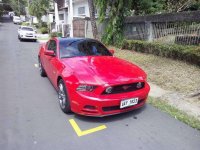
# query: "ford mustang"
89,79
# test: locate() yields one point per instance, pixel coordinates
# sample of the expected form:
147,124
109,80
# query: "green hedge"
56,34
25,23
44,30
189,54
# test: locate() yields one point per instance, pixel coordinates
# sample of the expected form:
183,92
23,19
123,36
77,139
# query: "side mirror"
112,51
49,53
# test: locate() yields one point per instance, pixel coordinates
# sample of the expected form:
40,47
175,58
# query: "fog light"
109,90
89,107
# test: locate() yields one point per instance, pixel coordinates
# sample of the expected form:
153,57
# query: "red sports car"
89,79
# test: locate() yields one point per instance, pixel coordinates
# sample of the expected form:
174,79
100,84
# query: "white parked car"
11,13
26,32
16,20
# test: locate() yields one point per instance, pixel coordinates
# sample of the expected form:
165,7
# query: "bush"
44,30
56,34
25,24
36,25
189,54
43,24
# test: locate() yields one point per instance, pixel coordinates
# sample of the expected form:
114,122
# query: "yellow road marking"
36,65
81,133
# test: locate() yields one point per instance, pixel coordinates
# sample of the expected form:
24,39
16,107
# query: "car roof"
26,27
68,39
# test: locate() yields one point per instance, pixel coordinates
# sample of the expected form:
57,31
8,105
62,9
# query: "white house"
66,10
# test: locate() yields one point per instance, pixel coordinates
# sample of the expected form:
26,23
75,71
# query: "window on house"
81,10
61,16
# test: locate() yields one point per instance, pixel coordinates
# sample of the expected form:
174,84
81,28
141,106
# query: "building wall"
64,19
79,4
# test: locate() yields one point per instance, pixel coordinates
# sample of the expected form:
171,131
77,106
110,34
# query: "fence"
180,28
180,33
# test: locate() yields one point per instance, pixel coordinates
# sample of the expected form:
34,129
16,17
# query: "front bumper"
106,105
34,37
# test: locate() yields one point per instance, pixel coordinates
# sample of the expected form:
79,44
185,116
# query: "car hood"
27,32
104,70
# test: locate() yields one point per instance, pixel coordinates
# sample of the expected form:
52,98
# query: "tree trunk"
92,18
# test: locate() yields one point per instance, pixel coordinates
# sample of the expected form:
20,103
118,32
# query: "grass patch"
169,74
43,38
174,112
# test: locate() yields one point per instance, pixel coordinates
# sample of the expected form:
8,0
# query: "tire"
35,40
63,97
19,38
41,69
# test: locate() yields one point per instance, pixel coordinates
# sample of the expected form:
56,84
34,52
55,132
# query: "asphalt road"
30,117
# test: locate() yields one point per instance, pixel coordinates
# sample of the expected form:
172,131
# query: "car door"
51,62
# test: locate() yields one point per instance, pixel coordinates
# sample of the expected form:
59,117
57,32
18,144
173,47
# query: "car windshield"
82,47
27,29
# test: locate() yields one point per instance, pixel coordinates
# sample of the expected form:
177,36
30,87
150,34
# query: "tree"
179,5
143,7
4,7
39,8
92,18
194,7
18,6
118,9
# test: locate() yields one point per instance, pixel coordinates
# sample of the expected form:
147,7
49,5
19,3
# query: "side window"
52,46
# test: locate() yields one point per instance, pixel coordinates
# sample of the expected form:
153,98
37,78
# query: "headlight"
88,88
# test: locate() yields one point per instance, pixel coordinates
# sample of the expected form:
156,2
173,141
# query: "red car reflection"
89,79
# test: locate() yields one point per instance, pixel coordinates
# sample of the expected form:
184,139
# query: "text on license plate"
128,102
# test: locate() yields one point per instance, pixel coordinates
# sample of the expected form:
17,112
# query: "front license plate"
128,102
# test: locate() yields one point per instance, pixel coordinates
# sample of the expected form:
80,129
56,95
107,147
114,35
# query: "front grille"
125,88
113,108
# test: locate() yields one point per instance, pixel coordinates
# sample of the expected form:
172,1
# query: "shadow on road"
25,40
6,19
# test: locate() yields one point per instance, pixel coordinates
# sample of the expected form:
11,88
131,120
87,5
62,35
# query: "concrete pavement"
30,117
